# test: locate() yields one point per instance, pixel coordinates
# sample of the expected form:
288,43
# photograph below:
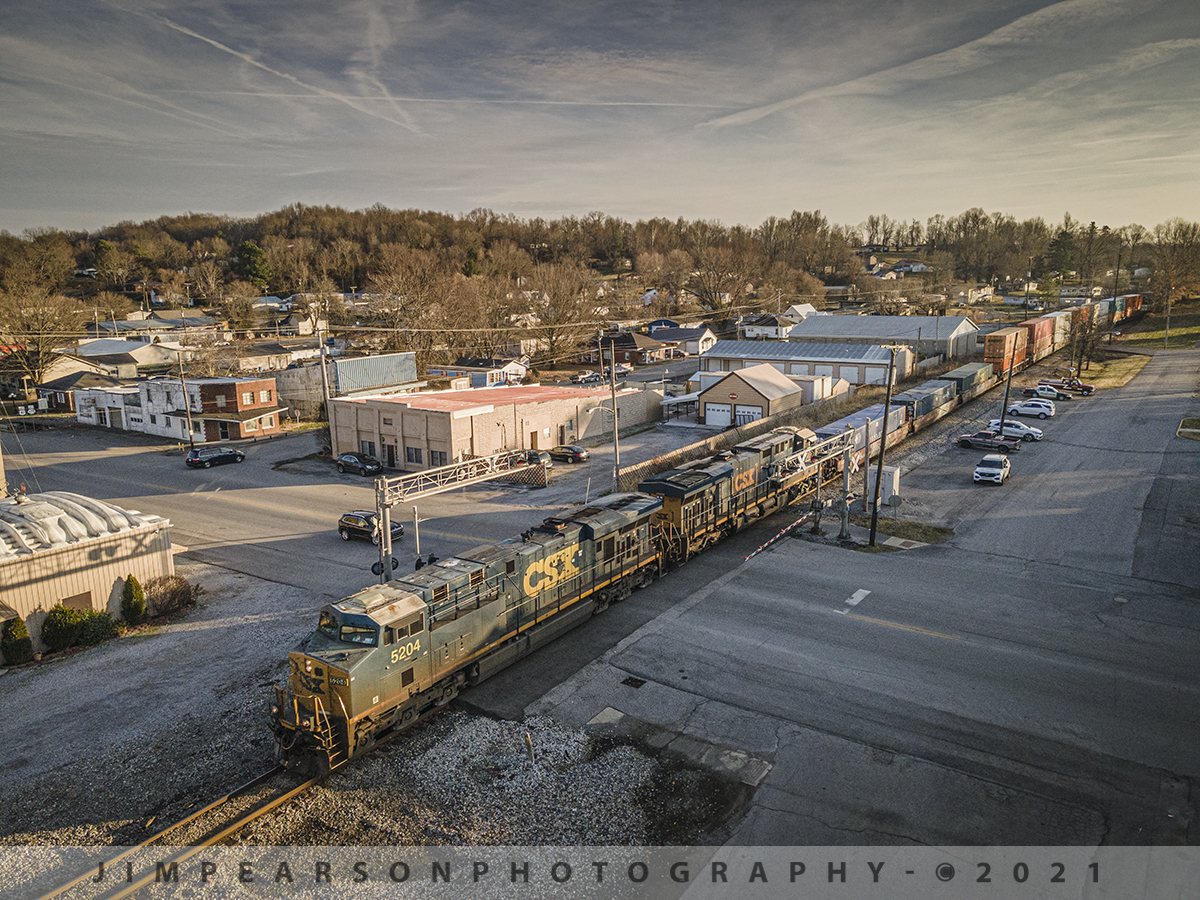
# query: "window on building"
220,398
250,426
264,396
367,447
387,421
248,398
269,422
167,421
412,454
437,458
153,419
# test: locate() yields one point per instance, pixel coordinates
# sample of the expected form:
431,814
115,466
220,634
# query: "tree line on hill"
469,285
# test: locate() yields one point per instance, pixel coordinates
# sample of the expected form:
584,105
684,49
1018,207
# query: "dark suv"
204,457
359,463
360,524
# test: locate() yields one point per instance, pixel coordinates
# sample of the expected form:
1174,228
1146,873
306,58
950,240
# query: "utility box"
890,485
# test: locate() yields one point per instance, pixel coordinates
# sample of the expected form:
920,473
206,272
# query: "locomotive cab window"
327,624
357,634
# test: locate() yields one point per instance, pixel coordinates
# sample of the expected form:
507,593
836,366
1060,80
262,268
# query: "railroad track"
204,828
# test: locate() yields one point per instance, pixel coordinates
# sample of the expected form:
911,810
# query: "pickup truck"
1074,385
989,440
1047,392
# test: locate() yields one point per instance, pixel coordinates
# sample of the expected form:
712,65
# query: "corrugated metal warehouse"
59,547
945,336
430,429
856,363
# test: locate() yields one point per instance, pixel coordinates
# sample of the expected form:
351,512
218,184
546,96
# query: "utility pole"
187,406
887,403
1007,385
612,349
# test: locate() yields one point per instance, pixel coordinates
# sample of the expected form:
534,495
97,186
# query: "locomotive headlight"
308,666
304,723
274,710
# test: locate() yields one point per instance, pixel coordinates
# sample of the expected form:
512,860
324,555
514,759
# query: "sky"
728,110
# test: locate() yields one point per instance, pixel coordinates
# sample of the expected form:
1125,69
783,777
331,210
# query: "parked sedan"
359,463
204,457
994,468
360,524
1035,407
988,440
569,453
1047,392
534,457
1015,429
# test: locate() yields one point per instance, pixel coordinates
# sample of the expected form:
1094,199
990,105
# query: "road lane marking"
854,599
950,637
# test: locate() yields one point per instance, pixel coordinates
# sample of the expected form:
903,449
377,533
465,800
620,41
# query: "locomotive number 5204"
406,651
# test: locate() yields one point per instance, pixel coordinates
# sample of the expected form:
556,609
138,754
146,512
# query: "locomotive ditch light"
304,723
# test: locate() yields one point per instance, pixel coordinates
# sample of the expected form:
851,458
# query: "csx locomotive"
384,655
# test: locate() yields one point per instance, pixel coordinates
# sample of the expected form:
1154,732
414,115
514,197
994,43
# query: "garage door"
744,414
876,375
822,370
850,373
719,414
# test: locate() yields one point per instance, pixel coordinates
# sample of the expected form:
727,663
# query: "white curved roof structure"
34,522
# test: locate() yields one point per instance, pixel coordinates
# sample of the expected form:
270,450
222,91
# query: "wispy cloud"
1043,27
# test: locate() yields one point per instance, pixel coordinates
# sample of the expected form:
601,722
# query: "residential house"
689,340
765,326
482,372
59,393
628,347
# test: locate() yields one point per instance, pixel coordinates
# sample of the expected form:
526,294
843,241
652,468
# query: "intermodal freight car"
386,654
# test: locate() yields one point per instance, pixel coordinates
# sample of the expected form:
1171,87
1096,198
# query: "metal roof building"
59,547
856,363
948,336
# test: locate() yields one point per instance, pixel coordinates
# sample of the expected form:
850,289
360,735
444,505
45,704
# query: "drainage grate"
634,682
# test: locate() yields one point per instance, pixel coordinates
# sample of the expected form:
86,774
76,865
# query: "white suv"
1015,429
994,467
1035,406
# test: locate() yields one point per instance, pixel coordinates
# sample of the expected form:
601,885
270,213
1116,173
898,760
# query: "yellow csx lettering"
745,481
546,573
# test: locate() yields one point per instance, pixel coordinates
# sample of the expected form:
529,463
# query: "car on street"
361,524
1016,429
587,378
205,457
1046,392
533,457
359,464
994,468
989,440
569,453
1036,407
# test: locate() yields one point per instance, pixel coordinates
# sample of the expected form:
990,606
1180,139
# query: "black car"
360,523
569,453
205,457
359,463
534,457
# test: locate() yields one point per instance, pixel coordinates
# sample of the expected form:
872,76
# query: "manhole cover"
634,682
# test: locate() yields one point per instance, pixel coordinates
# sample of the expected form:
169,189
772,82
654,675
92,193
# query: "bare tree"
33,323
1176,261
565,318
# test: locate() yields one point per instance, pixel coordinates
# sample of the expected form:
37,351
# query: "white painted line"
857,597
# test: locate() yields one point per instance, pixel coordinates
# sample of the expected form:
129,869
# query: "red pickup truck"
1073,385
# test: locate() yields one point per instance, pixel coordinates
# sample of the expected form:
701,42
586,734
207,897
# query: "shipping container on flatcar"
1062,326
1040,338
969,376
1005,347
